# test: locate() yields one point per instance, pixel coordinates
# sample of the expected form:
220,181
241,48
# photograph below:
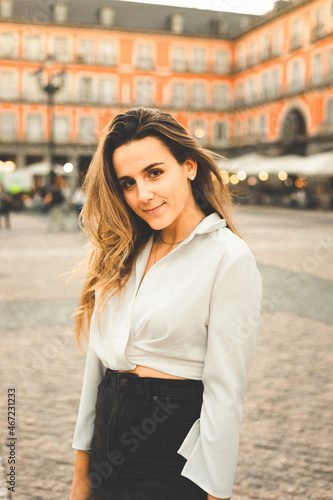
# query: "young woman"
172,301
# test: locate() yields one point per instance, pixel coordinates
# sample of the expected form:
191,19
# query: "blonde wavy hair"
116,233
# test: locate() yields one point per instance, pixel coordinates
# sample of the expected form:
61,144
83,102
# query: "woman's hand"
81,485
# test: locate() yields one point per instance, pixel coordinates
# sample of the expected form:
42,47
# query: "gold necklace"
175,243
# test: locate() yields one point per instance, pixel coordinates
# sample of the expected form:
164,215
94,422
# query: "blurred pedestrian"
55,203
5,207
172,298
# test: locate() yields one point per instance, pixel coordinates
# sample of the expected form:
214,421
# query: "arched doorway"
293,134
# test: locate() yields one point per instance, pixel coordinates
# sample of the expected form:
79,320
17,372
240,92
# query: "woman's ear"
191,166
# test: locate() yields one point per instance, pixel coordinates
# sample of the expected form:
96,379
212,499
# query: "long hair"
116,232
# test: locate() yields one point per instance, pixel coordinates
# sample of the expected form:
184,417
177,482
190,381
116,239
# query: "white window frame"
107,53
199,60
30,137
144,102
179,64
221,141
144,56
11,92
64,137
8,126
199,95
178,99
87,135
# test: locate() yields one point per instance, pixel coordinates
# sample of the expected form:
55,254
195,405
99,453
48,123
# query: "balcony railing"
295,43
317,33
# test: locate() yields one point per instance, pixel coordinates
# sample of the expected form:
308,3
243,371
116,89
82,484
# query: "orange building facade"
268,85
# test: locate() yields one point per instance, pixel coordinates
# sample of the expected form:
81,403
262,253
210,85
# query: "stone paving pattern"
286,448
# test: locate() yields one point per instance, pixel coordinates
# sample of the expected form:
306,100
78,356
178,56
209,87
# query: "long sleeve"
211,446
93,374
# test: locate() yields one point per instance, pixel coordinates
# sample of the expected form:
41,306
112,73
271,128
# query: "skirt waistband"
151,385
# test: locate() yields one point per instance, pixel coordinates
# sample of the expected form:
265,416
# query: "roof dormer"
106,16
6,9
176,23
60,12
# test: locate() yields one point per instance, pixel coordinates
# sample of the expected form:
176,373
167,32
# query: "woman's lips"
154,210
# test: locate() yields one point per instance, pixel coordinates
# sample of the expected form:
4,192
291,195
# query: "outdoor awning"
314,165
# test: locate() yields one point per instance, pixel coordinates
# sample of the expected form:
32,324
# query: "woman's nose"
144,194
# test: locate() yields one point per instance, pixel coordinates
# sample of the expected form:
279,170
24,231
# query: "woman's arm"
81,485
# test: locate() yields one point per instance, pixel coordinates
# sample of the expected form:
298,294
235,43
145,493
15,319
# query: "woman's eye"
125,185
128,184
156,171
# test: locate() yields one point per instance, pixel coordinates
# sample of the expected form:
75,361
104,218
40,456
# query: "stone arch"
293,132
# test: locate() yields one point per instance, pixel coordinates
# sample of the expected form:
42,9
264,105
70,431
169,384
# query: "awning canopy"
253,163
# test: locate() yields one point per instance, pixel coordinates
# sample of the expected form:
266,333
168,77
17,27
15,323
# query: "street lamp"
50,86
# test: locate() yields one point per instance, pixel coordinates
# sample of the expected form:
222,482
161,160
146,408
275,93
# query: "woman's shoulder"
230,244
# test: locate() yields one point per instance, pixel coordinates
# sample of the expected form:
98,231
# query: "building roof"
132,16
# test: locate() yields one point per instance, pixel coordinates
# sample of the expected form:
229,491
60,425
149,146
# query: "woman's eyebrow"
125,177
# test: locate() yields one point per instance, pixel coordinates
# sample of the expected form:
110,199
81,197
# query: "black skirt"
140,424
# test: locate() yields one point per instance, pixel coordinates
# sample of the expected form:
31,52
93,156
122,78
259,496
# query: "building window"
61,128
221,133
199,95
178,95
31,88
8,127
240,94
107,53
33,48
86,89
296,77
264,48
199,60
6,9
277,42
296,34
317,71
250,91
252,53
107,94
34,128
264,86
86,53
222,61
60,13
262,127
199,131
329,112
179,59
144,93
320,19
7,46
238,130
249,128
107,16
176,23
63,94
8,85
87,130
330,66
240,61
275,87
221,96
144,57
61,49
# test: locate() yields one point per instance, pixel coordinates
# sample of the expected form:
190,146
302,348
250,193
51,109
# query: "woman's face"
151,178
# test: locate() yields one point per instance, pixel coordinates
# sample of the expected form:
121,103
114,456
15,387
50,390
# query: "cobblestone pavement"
286,438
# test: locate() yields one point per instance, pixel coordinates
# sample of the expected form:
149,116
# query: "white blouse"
195,315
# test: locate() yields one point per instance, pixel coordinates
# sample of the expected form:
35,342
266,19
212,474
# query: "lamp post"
50,85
